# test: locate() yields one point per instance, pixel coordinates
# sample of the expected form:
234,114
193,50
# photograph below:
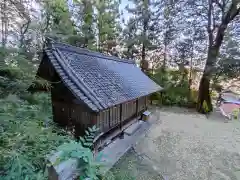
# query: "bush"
88,165
27,136
176,89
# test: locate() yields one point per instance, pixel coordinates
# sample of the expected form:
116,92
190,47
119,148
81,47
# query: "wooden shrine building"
90,88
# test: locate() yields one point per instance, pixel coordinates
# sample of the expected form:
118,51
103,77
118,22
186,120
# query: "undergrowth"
176,89
27,136
88,166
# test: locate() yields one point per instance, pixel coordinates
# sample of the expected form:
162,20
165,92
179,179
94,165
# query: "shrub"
236,113
205,107
88,165
176,89
194,95
27,136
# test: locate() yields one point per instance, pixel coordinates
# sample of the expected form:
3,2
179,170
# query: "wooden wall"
112,117
67,111
129,109
70,112
109,118
76,117
46,69
142,103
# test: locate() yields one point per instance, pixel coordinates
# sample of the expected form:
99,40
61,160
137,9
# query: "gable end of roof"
68,82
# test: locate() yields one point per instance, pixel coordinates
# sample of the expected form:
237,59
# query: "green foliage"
17,73
107,16
58,20
87,165
88,140
236,114
229,65
84,15
217,87
176,89
205,107
27,131
141,28
27,136
129,33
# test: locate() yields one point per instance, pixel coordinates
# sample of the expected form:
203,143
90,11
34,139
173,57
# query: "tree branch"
232,12
213,20
209,27
21,9
23,30
221,6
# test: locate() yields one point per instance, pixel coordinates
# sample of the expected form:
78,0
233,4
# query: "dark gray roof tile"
100,81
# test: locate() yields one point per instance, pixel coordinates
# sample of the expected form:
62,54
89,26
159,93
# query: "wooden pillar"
109,118
121,116
145,102
53,110
137,107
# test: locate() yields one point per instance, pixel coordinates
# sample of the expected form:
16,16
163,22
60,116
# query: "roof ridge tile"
85,51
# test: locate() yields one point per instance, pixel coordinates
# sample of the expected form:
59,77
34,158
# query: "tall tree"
145,21
129,38
107,24
4,23
58,20
83,15
219,15
168,27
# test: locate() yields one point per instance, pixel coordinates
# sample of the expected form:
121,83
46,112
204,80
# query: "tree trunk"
213,51
204,87
143,57
164,57
204,95
4,23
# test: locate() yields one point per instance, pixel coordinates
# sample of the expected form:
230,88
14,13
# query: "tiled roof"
99,80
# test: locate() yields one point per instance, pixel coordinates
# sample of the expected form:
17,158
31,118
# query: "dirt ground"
184,145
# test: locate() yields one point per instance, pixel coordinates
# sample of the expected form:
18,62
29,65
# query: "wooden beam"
121,116
109,118
137,107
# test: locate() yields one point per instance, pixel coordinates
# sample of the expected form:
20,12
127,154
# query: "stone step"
133,128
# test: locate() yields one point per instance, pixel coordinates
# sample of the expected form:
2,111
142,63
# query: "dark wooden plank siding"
141,104
74,116
104,120
114,116
147,101
46,69
67,112
129,109
61,93
62,113
108,118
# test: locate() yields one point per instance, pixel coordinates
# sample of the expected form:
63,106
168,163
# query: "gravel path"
187,146
183,145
